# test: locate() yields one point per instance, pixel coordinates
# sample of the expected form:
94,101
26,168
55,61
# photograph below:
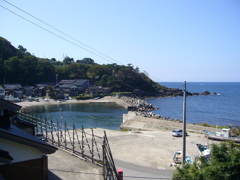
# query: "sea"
222,109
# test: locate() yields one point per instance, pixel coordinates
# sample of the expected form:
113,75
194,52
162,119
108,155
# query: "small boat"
223,135
177,157
46,99
189,160
219,138
203,150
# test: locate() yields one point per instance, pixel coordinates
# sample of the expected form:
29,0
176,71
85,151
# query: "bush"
224,164
83,97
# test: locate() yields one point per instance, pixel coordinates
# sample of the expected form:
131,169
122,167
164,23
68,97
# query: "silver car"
177,133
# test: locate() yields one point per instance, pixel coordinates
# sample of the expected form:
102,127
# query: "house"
98,90
25,125
2,92
40,90
15,90
22,155
28,90
71,87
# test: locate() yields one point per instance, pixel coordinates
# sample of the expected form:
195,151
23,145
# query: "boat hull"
219,138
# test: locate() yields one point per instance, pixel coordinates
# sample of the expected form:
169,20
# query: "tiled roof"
28,87
65,86
77,82
15,134
10,106
66,81
12,86
80,82
41,85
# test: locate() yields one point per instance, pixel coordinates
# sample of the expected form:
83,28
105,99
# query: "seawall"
134,122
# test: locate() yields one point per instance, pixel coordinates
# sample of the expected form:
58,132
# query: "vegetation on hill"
224,164
17,65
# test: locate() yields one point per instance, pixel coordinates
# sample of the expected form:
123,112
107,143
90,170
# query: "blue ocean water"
88,115
221,109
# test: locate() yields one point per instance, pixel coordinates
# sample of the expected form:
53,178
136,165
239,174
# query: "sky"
170,40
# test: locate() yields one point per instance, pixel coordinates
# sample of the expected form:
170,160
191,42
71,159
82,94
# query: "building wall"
2,93
19,152
36,169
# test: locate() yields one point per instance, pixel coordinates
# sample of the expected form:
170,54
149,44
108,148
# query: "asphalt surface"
63,165
132,171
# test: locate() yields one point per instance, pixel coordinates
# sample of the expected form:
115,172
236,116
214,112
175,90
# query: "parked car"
178,133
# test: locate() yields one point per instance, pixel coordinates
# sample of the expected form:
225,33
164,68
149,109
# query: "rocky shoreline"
178,92
144,109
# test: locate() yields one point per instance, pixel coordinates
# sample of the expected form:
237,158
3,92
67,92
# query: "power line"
56,34
61,31
92,50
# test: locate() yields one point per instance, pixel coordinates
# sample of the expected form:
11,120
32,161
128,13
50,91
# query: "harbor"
146,141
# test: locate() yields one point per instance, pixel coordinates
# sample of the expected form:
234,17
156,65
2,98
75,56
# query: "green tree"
77,70
12,70
96,72
28,67
68,60
224,164
2,76
62,72
22,52
21,48
45,71
86,61
7,50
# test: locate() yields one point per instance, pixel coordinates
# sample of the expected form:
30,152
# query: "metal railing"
82,143
109,170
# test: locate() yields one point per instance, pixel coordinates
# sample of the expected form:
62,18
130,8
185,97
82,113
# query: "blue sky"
171,40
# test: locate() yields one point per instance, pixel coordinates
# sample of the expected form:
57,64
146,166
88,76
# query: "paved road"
63,166
132,171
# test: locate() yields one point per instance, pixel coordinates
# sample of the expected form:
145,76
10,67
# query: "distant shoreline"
130,120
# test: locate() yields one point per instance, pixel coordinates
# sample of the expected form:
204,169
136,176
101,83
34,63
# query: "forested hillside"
19,66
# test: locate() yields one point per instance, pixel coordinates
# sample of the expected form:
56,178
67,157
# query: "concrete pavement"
63,165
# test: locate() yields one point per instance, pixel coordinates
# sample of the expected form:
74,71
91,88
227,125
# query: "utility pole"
184,124
56,79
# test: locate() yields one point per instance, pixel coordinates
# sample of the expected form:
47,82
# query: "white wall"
19,152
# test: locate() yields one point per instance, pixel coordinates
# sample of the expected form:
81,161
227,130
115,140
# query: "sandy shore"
153,148
42,102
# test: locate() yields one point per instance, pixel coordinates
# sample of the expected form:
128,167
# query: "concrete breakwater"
143,108
141,105
132,121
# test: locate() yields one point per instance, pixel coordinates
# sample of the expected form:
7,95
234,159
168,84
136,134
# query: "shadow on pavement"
53,176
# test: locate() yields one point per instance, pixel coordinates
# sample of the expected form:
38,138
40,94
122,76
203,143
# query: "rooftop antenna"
184,124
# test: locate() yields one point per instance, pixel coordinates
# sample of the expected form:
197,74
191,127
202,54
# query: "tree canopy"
224,164
19,66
